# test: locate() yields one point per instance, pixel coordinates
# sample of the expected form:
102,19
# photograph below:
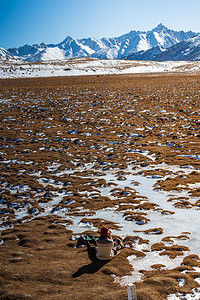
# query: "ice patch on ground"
12,68
194,295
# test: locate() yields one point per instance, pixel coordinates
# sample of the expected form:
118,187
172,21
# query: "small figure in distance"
106,249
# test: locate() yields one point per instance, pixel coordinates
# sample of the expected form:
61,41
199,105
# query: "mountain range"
159,44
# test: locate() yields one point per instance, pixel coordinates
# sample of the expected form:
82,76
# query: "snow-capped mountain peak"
160,27
67,40
186,50
127,45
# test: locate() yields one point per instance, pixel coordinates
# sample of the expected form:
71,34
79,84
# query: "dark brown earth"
76,121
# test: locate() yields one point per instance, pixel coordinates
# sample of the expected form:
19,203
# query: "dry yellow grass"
69,120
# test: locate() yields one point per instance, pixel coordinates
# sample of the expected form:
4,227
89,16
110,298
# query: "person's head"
105,232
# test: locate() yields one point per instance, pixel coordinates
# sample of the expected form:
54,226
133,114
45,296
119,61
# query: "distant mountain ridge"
4,53
155,44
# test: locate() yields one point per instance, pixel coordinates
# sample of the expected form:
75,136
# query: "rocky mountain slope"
188,50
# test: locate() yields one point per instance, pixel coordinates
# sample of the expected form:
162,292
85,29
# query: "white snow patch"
12,68
143,44
53,53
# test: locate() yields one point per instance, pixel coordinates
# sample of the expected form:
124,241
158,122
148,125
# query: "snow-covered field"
11,68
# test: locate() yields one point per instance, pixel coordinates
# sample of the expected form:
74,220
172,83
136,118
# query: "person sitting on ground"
105,249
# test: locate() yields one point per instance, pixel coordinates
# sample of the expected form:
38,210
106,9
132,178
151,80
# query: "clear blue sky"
35,21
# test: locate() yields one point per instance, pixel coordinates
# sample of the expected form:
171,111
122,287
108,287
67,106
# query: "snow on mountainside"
4,53
112,48
149,54
188,50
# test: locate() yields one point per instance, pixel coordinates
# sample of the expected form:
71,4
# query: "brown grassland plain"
73,122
